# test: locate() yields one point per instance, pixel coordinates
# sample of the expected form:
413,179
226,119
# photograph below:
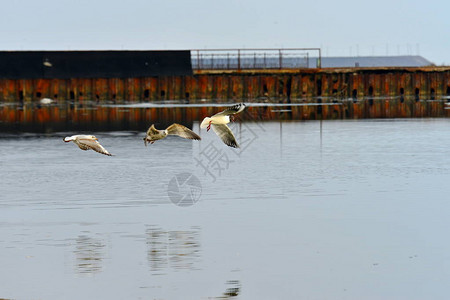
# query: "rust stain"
224,86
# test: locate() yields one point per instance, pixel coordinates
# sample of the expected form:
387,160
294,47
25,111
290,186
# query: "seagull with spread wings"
87,142
219,123
154,134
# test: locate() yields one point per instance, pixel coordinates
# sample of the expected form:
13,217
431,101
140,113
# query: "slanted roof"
373,61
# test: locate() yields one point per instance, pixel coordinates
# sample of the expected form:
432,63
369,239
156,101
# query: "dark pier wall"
93,64
423,83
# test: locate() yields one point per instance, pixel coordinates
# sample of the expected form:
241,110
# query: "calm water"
304,210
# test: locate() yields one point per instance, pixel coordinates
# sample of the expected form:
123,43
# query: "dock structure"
113,90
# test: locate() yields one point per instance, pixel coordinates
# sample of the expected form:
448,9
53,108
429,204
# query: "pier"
125,102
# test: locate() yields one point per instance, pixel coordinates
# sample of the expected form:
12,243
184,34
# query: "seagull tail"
68,139
205,122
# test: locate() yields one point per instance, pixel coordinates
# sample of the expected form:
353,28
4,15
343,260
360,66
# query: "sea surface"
303,210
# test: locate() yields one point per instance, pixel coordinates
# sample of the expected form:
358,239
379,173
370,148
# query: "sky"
339,28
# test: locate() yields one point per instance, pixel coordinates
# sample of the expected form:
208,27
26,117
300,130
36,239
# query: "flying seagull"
154,134
87,142
219,123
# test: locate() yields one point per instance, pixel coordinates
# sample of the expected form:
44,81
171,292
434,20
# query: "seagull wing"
83,146
152,130
232,110
86,144
225,133
184,132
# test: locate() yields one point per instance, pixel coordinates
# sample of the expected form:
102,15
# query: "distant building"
126,64
372,61
93,64
282,59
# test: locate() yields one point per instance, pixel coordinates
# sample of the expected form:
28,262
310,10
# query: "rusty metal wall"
423,83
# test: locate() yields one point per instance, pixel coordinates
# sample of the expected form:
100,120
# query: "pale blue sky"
340,28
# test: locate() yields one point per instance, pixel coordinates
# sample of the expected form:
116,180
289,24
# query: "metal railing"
238,59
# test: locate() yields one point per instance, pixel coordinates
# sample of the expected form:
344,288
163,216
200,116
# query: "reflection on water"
175,250
304,210
89,254
233,288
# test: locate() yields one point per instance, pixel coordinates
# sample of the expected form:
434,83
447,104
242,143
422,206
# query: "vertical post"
198,59
239,59
212,61
254,60
228,60
319,63
279,57
265,66
307,60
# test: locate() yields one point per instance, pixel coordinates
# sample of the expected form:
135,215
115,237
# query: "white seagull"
219,123
154,134
87,142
